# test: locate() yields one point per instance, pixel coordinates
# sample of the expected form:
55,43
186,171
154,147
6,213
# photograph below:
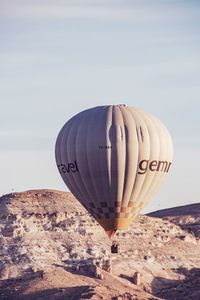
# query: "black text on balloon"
154,165
69,167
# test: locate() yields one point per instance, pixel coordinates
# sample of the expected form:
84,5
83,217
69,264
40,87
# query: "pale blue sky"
60,57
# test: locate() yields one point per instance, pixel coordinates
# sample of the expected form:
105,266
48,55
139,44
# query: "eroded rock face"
43,229
187,217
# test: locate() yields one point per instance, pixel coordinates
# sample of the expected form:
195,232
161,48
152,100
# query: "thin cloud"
136,12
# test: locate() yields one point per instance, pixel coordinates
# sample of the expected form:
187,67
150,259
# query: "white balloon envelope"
113,159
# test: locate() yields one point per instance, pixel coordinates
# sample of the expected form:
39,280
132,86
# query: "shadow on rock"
71,293
129,278
14,287
188,288
82,268
87,267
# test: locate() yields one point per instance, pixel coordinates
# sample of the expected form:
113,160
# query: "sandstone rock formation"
51,248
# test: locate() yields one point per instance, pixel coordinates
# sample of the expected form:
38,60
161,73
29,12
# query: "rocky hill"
51,248
187,217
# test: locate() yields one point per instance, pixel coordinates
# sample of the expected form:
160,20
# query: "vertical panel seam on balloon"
62,141
126,157
88,164
146,174
143,183
83,198
155,175
87,194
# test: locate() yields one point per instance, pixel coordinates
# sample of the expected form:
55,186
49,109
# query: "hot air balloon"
113,159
